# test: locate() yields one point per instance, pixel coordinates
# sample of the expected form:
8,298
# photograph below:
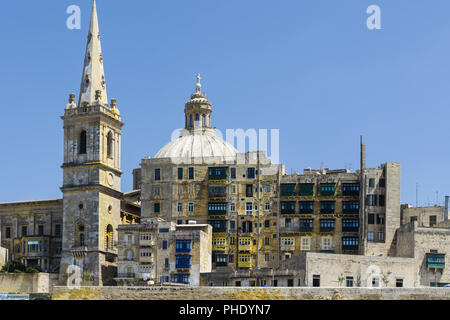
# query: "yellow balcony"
220,247
245,244
244,261
287,247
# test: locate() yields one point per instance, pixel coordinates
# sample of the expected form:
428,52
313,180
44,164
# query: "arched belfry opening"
83,142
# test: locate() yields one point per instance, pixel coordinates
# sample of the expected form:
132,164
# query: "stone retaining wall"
250,293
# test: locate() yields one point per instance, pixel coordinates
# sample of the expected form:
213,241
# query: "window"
83,142
371,182
180,207
412,219
381,200
249,208
203,120
190,207
8,232
350,189
306,189
326,225
232,207
326,243
183,246
370,236
217,173
156,207
232,225
380,236
237,283
399,283
350,243
371,219
267,188
267,223
40,230
233,189
349,282
380,219
146,252
190,120
350,225
146,236
288,223
24,231
156,191
288,189
306,225
180,173
109,145
233,173
166,262
382,183
266,257
267,241
217,208
305,243
58,230
249,191
372,200
327,189
183,261
164,244
157,174
267,206
250,173
350,207
316,280
290,283
109,239
287,207
306,207
287,241
327,207
191,173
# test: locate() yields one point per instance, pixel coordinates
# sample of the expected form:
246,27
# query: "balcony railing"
350,229
306,229
182,266
217,212
126,275
326,229
183,250
217,194
350,248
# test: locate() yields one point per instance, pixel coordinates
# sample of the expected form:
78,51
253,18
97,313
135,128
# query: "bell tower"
91,173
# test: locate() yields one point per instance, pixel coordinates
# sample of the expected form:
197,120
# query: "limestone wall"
24,282
248,293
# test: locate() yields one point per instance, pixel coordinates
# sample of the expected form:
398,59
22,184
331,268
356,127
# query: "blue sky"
309,68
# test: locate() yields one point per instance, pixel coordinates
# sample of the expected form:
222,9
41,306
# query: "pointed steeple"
93,84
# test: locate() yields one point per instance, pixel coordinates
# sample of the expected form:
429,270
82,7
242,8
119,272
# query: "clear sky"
310,68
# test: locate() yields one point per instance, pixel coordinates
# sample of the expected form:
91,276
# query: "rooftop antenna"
437,197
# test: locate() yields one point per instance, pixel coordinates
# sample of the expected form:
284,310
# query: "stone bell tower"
91,174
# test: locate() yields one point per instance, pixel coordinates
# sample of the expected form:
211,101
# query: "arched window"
190,120
83,142
109,237
203,120
109,144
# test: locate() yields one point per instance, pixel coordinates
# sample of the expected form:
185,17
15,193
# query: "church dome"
198,139
202,143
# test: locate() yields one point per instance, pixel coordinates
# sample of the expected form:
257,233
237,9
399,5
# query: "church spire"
93,84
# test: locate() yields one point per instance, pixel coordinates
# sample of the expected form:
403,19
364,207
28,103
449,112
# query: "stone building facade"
31,231
425,216
164,252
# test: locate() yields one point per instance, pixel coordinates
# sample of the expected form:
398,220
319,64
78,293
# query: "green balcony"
435,260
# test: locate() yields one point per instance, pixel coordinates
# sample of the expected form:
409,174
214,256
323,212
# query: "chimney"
446,208
363,155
